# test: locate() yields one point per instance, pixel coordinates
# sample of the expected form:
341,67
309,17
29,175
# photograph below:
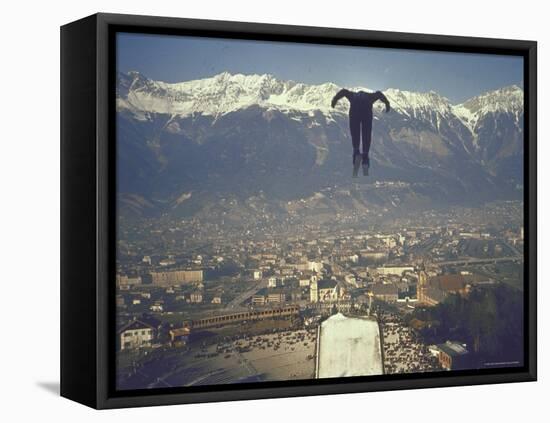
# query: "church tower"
313,292
422,285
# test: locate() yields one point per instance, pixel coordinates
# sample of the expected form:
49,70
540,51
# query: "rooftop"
453,348
384,289
327,283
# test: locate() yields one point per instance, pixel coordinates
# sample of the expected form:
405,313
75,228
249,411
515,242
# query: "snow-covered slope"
418,105
495,120
508,100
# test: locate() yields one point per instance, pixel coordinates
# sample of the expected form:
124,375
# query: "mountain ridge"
266,90
258,133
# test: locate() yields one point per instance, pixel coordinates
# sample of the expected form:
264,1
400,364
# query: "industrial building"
176,277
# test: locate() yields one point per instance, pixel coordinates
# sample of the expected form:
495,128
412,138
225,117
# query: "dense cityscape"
204,301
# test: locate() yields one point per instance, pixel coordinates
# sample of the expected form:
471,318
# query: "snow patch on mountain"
508,100
417,105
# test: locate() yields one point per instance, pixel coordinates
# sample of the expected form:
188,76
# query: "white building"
394,270
304,282
157,307
124,281
135,334
326,291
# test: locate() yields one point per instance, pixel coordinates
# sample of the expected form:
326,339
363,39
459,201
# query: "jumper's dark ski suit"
360,118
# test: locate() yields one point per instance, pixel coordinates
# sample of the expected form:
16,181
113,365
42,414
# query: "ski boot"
356,164
365,164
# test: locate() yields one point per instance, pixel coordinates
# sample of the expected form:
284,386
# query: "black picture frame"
87,209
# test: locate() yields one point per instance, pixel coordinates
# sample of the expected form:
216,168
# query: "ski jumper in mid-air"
360,123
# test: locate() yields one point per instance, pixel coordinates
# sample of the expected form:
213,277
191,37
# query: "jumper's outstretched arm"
342,93
383,99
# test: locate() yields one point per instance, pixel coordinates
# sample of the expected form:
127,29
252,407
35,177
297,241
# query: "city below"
207,302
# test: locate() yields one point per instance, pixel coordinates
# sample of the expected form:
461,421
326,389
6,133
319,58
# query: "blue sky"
457,76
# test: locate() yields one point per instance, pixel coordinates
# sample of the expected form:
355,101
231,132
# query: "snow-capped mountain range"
235,129
225,93
221,94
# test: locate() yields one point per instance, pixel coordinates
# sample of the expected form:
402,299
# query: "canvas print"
295,211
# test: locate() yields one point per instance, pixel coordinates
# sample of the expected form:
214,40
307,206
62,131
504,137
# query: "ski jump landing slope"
348,346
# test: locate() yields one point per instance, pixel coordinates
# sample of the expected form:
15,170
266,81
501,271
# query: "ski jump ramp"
348,346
